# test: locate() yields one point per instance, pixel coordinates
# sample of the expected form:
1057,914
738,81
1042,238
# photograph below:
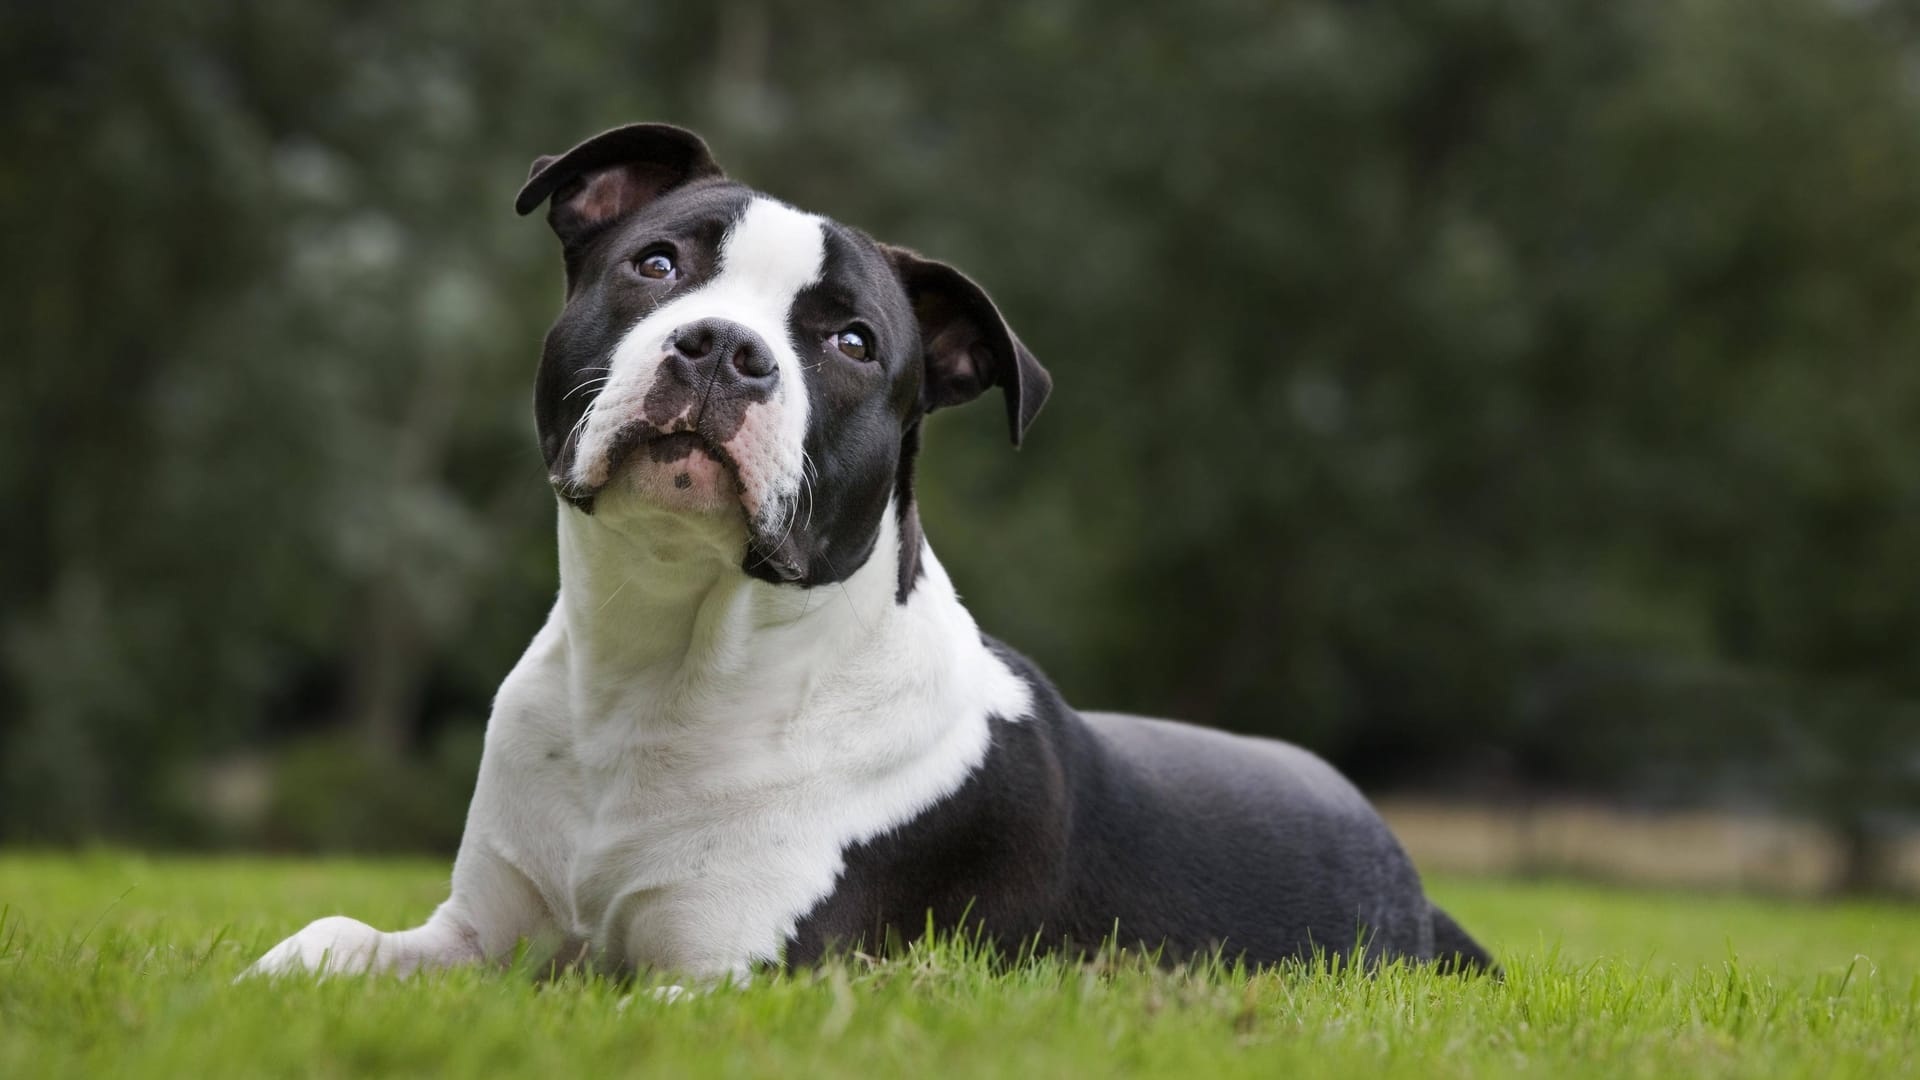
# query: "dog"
758,725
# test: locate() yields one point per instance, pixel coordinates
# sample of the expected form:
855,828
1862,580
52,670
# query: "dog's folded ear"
967,344
613,174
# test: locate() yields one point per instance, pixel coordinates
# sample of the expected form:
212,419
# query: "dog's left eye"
852,342
656,266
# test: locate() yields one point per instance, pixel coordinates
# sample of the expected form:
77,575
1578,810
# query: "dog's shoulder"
992,852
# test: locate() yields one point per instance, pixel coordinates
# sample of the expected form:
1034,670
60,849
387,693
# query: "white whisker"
601,381
624,582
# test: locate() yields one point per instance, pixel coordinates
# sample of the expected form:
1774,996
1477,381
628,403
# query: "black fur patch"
1171,837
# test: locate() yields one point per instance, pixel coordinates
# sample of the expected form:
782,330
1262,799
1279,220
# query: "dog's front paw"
333,945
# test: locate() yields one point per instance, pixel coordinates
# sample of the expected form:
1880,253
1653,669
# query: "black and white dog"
758,724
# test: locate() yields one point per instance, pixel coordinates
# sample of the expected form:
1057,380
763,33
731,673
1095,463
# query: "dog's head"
723,355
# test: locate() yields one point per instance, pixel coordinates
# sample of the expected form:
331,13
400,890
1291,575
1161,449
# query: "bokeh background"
1517,403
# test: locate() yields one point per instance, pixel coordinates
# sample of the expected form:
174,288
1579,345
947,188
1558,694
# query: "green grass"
120,965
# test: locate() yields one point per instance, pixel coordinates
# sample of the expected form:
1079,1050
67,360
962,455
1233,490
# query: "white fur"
766,258
675,767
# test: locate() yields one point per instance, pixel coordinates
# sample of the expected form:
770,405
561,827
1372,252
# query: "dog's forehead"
773,249
701,213
769,245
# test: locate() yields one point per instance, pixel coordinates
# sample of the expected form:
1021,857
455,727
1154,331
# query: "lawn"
120,965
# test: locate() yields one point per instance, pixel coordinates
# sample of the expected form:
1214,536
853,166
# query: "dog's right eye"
657,266
852,342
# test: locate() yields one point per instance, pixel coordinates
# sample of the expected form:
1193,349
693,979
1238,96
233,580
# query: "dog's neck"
664,631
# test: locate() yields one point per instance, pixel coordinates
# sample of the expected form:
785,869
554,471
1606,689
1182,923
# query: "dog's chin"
682,473
687,477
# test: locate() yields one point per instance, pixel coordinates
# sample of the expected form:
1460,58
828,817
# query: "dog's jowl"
758,724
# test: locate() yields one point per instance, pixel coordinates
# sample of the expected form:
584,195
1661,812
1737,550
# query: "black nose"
720,341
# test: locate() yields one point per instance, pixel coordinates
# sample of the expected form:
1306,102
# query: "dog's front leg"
492,908
340,945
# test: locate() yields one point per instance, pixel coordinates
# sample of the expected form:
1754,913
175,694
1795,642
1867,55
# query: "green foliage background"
1493,396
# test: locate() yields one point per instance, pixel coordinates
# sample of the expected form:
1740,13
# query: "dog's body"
758,724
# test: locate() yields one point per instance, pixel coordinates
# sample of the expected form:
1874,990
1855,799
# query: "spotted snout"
700,425
713,374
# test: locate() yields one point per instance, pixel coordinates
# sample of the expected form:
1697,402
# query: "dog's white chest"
688,817
704,858
702,881
702,849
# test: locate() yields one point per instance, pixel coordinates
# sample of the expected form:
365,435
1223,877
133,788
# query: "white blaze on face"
769,255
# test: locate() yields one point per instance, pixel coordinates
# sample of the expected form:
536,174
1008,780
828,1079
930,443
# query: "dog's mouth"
682,468
656,451
677,446
683,454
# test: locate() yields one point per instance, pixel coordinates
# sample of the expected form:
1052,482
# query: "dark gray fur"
1083,827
